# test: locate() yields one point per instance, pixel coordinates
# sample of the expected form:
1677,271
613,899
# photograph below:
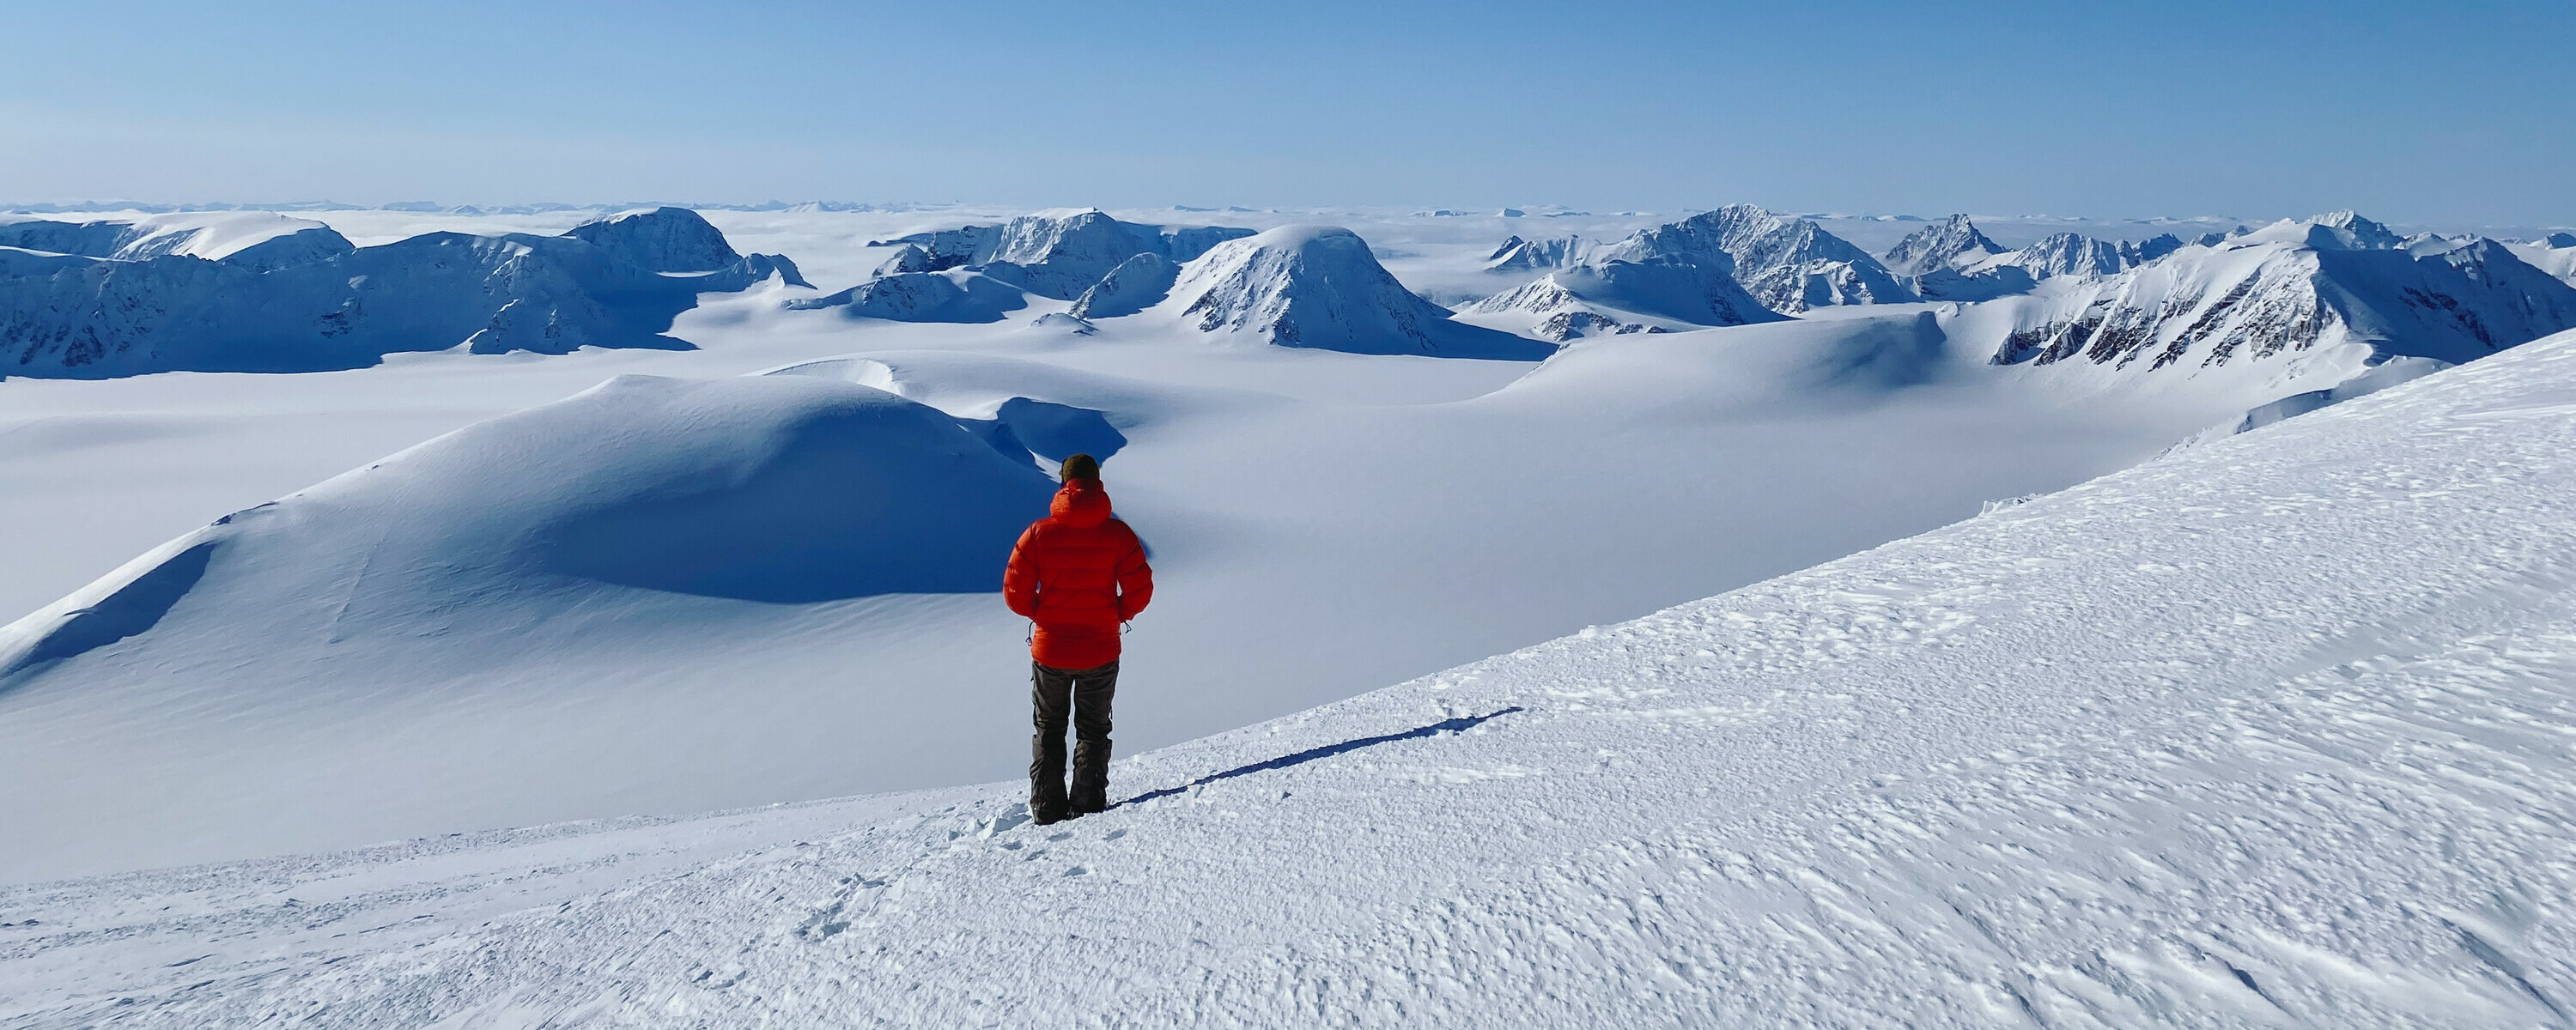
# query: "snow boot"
1091,776
1046,780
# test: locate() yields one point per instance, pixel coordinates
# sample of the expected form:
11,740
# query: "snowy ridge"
2555,255
2272,731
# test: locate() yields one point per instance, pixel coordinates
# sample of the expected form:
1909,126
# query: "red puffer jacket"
1078,573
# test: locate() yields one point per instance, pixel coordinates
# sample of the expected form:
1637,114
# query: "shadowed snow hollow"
1320,286
778,489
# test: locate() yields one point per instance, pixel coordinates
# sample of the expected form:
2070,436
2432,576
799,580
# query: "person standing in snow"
1079,574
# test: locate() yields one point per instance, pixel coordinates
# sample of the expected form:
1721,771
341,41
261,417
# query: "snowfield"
2275,730
533,621
568,518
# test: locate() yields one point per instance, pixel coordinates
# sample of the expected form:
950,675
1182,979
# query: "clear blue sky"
2453,112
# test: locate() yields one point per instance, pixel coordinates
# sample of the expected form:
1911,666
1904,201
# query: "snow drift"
772,489
301,302
491,619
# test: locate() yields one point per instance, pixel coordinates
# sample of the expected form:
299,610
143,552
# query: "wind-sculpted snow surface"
2272,732
1320,286
305,301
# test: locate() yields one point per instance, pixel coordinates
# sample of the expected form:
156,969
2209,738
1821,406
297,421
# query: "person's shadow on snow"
1457,725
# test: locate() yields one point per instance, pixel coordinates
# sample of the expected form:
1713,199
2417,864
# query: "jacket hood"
1081,503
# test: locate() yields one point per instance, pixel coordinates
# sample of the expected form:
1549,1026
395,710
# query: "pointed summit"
1948,243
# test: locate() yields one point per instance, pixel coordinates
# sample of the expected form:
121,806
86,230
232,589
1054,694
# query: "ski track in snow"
2271,732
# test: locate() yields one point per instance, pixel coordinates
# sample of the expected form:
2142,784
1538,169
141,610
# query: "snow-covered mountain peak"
1789,264
1520,255
1056,253
1320,286
2276,293
662,239
1950,242
129,298
257,240
2334,230
2067,253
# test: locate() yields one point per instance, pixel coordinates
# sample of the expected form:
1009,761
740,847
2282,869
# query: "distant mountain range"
265,293
262,291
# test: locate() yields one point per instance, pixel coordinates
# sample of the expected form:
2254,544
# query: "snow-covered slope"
2555,255
1291,495
302,300
499,571
1137,283
1320,286
2271,732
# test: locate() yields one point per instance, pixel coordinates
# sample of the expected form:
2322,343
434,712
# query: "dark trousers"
1079,698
